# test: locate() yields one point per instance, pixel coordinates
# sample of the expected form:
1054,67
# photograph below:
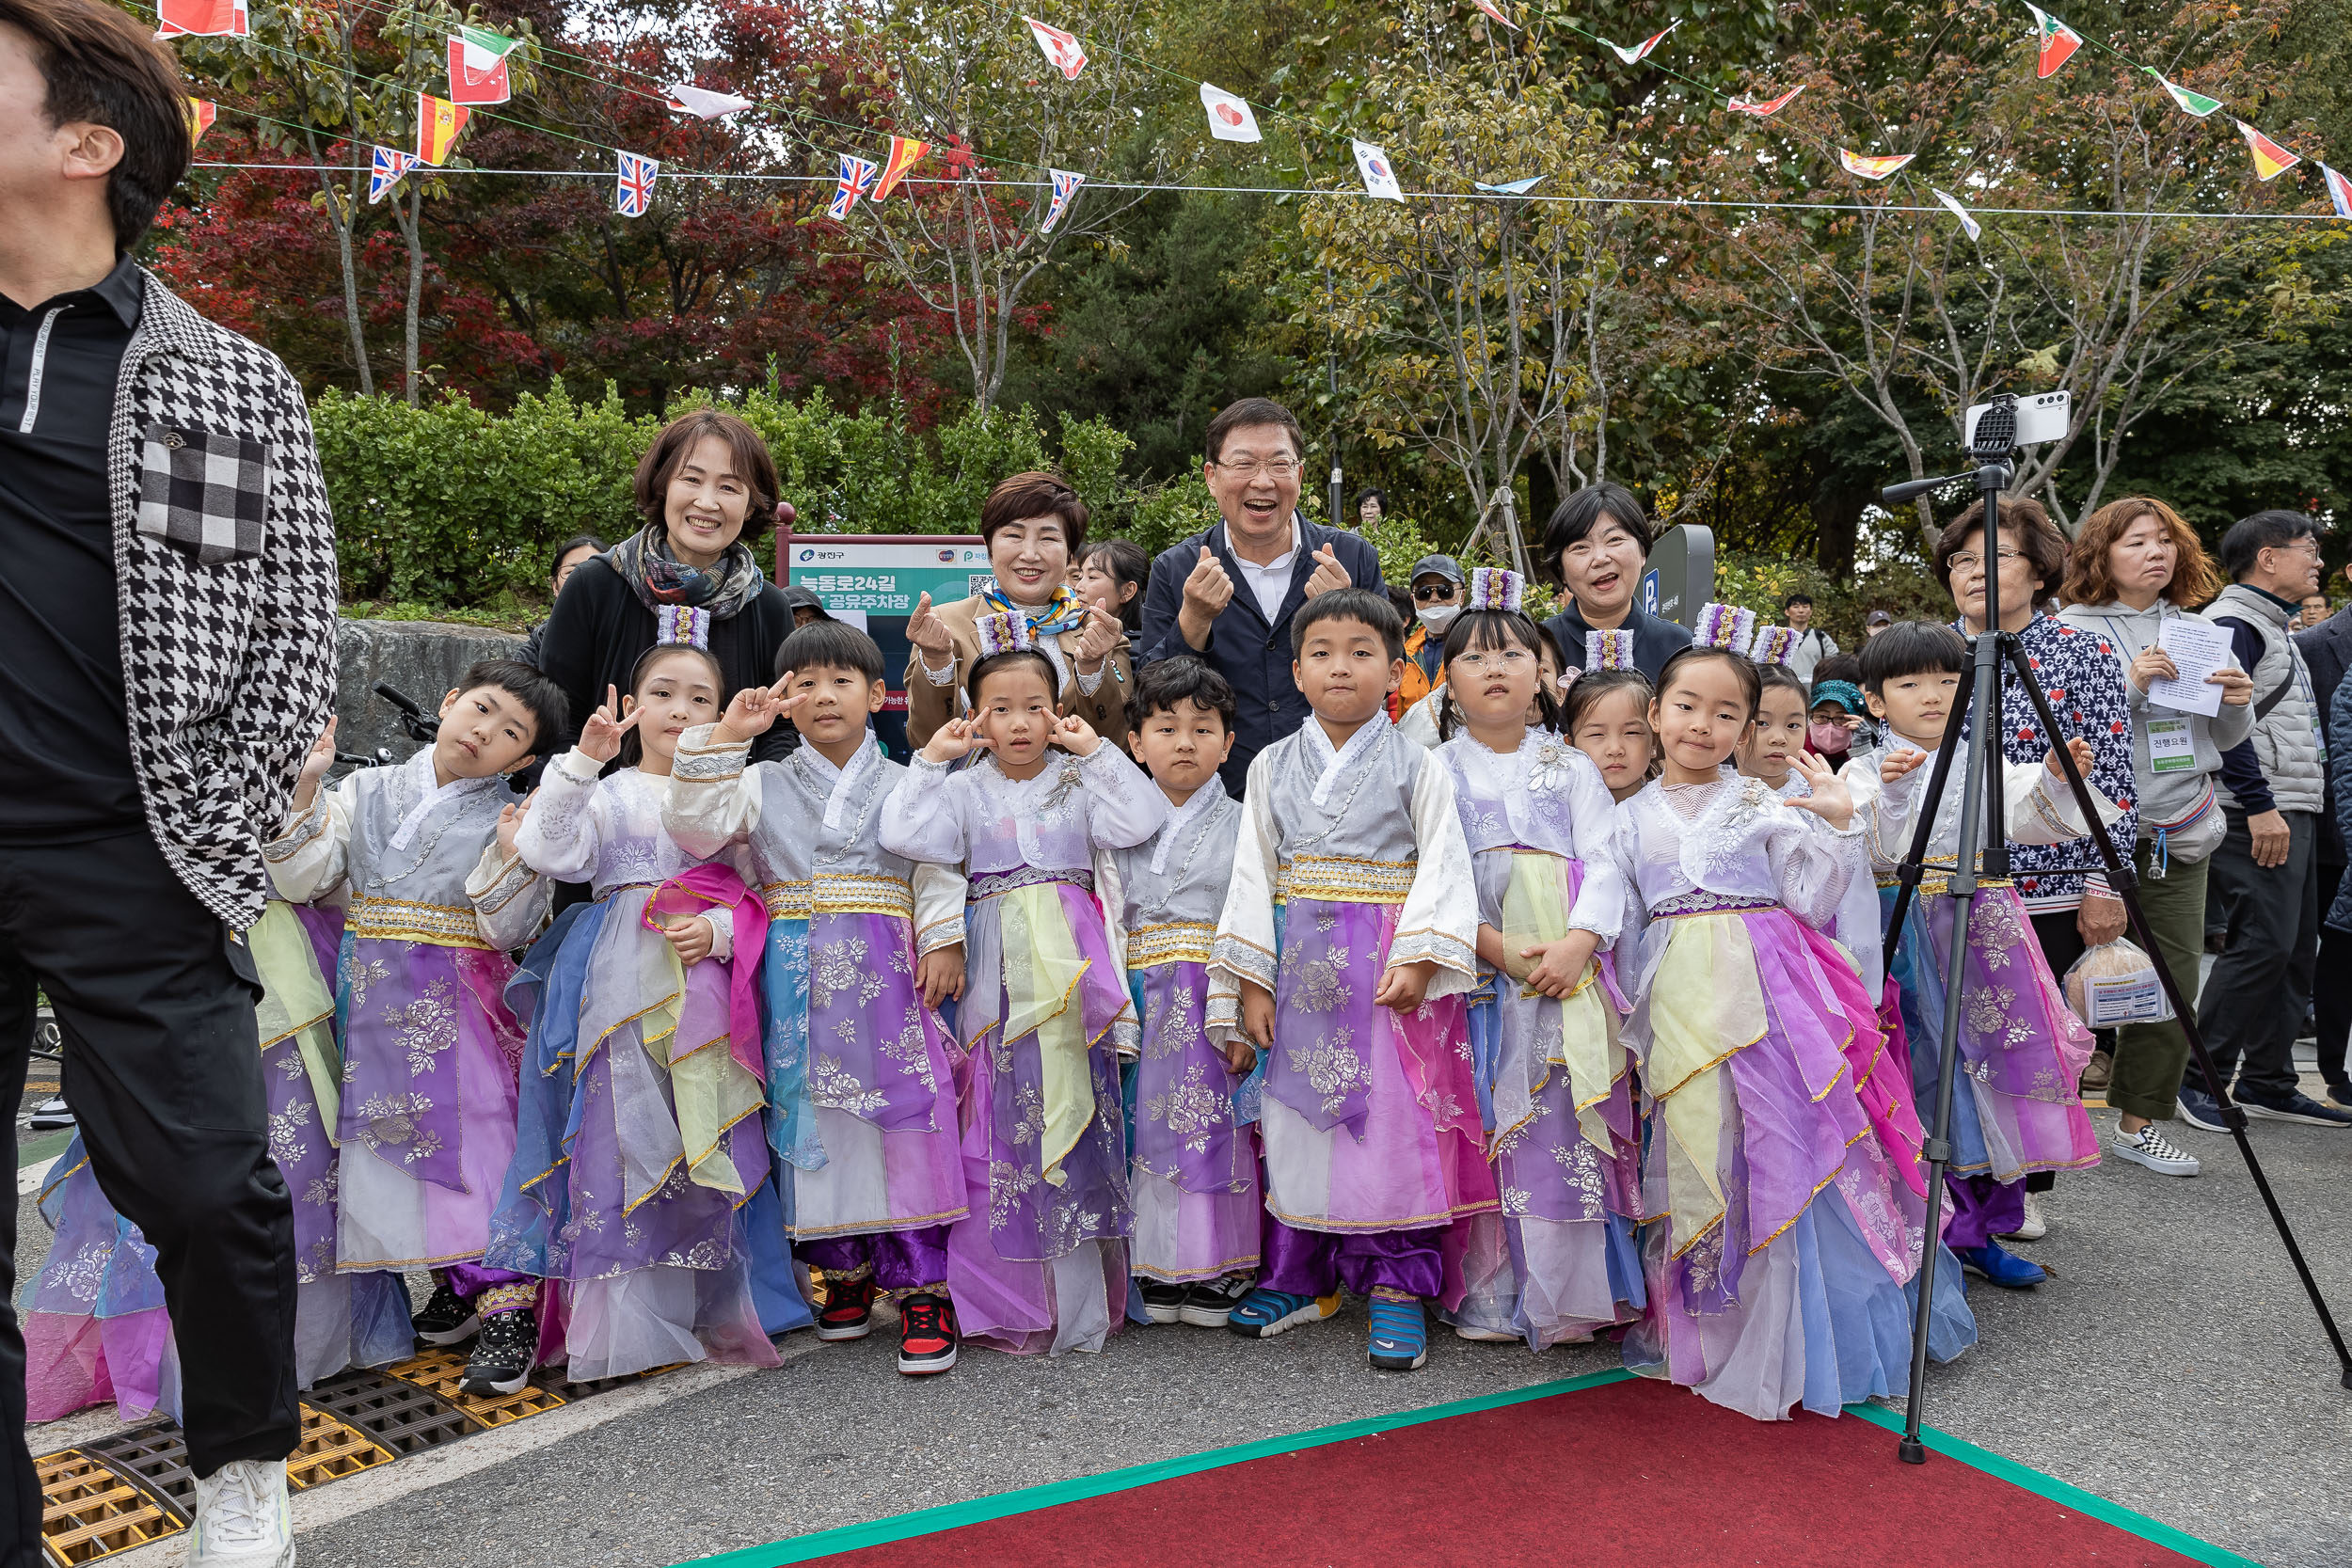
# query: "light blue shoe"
1400,1333
1265,1313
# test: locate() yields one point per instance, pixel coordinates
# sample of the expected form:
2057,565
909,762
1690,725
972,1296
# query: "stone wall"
422,658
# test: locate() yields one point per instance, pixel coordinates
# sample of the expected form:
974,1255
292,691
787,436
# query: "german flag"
438,121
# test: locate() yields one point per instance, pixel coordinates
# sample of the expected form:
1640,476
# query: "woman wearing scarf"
707,489
1034,524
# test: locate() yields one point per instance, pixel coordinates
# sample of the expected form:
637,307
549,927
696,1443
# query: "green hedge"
450,507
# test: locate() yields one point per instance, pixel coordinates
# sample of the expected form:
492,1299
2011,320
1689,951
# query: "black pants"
2331,988
163,1068
2253,1007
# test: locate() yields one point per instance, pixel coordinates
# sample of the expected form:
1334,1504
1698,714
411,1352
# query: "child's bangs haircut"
1493,631
830,646
550,710
1913,648
1367,604
1743,669
1779,677
1011,659
663,650
1591,689
1126,565
1169,681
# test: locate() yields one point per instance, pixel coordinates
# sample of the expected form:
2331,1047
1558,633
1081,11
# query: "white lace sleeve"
923,819
1439,923
1124,808
1244,948
561,834
714,798
2040,808
311,854
1593,816
1625,854
1813,862
511,902
939,897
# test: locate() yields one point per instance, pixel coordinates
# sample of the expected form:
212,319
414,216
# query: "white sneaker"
243,1517
2032,1228
2149,1148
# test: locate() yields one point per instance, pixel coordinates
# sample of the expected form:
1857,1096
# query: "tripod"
1981,826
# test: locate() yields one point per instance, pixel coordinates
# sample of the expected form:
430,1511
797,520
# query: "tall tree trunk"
413,233
1837,528
341,212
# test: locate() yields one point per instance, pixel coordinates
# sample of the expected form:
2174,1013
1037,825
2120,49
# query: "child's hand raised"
316,767
1830,801
2080,751
511,824
1076,736
1898,764
601,737
754,710
955,739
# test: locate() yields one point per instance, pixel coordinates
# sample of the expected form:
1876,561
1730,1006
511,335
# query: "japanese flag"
1061,49
1379,179
1230,118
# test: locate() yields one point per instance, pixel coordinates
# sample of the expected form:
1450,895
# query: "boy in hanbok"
424,855
95,1325
1559,1262
640,1149
1194,1171
2016,1102
1787,1231
1350,931
863,946
1040,1264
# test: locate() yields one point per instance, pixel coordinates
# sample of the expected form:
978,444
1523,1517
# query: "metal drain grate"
441,1370
154,1456
401,1416
330,1450
89,1511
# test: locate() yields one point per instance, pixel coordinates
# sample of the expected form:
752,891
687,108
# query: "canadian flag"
1230,118
203,19
1062,51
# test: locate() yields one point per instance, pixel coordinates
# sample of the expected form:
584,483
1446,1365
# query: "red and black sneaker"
927,1334
848,1312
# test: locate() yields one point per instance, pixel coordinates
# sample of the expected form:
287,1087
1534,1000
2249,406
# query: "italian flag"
477,66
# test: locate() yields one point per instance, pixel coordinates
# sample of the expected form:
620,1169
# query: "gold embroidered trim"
1344,880
1176,942
862,893
398,920
787,901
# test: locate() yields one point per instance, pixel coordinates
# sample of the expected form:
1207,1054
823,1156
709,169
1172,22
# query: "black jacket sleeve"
2241,769
1158,638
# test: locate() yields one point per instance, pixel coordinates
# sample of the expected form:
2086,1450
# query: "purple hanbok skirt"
1193,1169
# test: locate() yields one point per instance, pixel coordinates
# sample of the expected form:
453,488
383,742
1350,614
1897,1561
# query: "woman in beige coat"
1034,524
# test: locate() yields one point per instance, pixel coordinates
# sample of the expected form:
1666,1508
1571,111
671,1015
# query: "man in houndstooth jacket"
166,652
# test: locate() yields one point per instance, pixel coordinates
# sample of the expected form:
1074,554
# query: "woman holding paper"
2132,577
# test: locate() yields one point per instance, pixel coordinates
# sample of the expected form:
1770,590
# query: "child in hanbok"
1350,930
94,1322
1040,1264
641,1142
1786,1232
2016,1107
1559,1262
1194,1170
863,946
1605,715
424,855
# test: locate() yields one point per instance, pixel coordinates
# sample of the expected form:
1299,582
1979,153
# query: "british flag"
1065,186
857,175
636,189
385,171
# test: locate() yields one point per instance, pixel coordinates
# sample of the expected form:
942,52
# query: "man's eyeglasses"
1438,590
1273,467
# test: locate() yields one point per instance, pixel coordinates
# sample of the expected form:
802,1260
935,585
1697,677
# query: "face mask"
1829,737
1438,618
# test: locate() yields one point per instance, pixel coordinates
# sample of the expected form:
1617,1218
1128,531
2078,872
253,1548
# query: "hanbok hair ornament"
1725,627
1609,650
1005,633
1773,644
1497,588
683,626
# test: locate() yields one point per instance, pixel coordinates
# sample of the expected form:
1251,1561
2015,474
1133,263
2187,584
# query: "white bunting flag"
1967,219
1640,52
694,101
1062,51
1230,118
1379,179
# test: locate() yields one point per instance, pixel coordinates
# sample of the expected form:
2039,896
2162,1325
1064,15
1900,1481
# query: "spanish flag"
438,121
2270,159
1872,169
905,152
201,113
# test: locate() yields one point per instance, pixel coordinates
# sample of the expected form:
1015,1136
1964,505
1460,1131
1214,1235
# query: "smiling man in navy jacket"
1227,595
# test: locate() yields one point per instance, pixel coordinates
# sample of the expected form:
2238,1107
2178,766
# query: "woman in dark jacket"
707,489
1594,548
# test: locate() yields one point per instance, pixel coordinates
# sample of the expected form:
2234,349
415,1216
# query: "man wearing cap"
1437,600
1876,621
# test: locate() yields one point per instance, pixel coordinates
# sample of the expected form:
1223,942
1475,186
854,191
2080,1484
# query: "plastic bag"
2116,984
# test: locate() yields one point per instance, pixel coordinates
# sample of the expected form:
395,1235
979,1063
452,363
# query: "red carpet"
1624,1473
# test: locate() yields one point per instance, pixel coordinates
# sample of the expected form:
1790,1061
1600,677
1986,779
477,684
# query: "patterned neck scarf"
1064,611
659,578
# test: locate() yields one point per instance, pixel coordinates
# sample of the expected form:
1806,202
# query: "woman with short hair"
1035,524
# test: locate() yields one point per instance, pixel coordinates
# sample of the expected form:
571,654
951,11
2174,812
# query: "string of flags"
1379,179
1231,118
856,175
1640,52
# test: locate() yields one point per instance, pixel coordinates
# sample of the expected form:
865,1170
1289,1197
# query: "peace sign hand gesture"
600,737
754,710
955,739
1076,736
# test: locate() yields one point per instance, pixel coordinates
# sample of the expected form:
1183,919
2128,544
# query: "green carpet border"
1029,1500
2027,1479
